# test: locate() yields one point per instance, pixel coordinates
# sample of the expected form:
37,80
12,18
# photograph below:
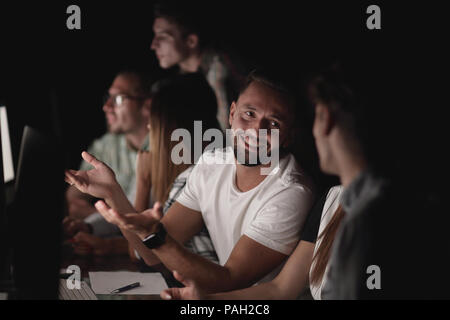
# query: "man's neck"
136,139
351,167
191,63
248,178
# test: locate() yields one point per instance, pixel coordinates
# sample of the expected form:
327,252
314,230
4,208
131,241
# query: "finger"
72,179
67,220
102,208
157,211
110,214
180,278
67,178
81,237
167,294
89,158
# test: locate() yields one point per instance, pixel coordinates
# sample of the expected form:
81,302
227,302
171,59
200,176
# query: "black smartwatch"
156,239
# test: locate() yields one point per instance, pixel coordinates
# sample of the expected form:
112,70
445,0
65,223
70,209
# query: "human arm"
289,283
78,203
85,244
143,181
237,272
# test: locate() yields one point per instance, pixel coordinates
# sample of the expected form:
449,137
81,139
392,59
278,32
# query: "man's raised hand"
190,292
142,224
97,182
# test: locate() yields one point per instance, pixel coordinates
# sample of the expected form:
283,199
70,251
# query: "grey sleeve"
101,227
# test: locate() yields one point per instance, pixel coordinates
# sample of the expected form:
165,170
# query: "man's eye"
249,113
275,124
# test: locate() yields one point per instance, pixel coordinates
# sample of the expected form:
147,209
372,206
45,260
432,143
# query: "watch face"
156,239
150,236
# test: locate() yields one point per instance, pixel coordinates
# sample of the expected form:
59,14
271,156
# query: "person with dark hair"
181,39
363,250
126,107
254,211
307,263
175,104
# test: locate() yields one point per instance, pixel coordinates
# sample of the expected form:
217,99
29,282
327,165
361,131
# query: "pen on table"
128,287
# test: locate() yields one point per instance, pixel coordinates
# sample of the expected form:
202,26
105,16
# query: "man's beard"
247,158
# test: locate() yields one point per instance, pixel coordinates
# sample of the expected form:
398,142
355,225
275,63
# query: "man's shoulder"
108,140
290,174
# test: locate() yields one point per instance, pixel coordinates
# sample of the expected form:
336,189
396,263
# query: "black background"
45,66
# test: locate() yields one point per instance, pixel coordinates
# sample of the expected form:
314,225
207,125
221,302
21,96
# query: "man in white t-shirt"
254,220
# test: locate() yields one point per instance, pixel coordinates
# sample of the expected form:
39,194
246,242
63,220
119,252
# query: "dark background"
46,67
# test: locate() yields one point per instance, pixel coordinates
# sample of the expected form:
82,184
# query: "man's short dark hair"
281,82
186,16
357,94
145,79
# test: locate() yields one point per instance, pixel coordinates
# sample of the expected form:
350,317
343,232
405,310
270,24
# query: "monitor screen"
8,167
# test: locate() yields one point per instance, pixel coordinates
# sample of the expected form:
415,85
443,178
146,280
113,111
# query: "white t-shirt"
272,213
329,209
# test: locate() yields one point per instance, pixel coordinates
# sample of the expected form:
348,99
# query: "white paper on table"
105,282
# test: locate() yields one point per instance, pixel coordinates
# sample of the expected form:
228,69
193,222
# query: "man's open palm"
97,182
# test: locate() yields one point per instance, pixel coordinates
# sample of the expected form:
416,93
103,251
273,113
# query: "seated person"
369,246
180,40
126,109
254,216
305,269
174,105
171,99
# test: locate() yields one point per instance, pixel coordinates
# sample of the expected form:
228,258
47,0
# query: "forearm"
118,245
118,201
210,276
143,188
266,291
135,243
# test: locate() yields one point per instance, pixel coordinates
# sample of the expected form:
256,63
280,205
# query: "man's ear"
232,112
325,119
145,110
192,41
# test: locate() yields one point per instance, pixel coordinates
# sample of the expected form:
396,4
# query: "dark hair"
284,83
186,16
281,82
361,95
354,95
145,80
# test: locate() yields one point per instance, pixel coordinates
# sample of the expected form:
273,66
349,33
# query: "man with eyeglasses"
126,106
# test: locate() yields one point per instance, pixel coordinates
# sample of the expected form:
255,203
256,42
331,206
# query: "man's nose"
154,44
108,106
261,125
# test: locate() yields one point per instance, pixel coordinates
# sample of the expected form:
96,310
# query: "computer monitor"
7,158
36,217
4,261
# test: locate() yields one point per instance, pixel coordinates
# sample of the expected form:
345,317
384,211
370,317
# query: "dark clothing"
312,223
385,226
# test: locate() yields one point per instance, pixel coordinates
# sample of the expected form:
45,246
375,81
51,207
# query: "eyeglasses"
119,99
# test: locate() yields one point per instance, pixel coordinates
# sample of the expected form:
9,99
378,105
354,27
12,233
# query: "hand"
80,208
190,292
72,226
143,166
97,182
86,244
142,224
